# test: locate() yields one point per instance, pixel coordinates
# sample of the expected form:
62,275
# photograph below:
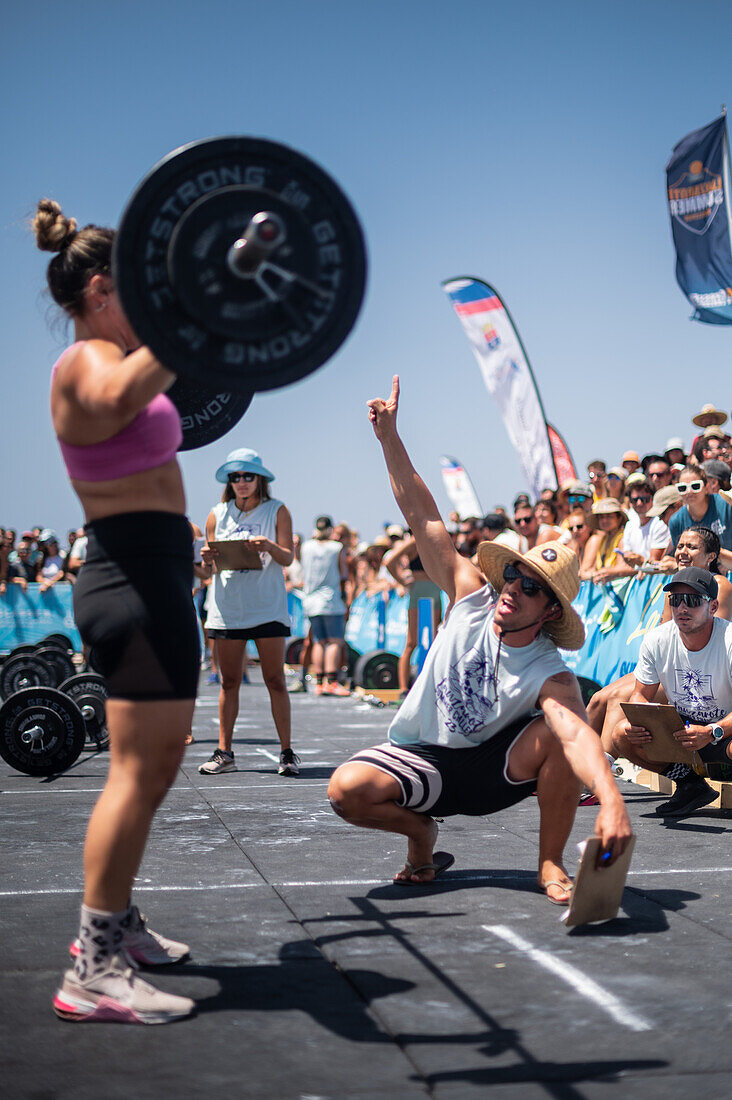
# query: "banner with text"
698,190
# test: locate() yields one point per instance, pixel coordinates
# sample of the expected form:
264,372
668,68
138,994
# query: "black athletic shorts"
251,633
133,605
444,782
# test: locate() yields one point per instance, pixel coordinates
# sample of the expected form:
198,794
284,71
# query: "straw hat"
709,415
558,567
607,507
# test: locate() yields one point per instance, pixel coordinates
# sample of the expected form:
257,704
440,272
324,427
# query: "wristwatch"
717,734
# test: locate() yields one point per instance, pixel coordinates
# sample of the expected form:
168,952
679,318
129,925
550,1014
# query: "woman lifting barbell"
119,433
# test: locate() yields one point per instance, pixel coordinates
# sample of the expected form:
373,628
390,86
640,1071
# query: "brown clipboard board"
235,554
597,891
660,720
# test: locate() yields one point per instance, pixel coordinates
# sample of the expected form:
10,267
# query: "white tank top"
247,597
453,701
321,592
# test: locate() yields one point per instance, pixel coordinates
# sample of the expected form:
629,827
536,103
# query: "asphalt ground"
316,977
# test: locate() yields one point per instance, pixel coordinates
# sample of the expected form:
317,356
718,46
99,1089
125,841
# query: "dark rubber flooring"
315,977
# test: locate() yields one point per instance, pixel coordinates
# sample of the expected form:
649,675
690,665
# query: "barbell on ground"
43,729
242,265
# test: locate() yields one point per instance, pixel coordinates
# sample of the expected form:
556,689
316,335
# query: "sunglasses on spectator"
642,499
528,584
579,527
692,486
691,599
576,499
525,519
233,478
659,473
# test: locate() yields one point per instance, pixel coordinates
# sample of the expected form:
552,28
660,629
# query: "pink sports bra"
150,440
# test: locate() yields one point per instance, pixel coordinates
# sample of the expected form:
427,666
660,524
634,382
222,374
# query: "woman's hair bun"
53,230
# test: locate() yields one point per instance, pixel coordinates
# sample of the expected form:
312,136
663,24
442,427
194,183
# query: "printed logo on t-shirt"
466,696
693,687
718,527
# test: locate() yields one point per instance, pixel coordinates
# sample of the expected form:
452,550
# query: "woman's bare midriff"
156,490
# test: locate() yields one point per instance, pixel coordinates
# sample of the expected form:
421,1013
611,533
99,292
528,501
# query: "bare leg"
364,796
146,748
332,658
230,654
537,753
272,659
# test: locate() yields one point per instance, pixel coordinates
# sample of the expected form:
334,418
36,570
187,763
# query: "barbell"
242,265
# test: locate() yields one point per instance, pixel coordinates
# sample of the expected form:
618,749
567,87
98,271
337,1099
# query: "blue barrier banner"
616,619
28,617
299,623
698,186
616,616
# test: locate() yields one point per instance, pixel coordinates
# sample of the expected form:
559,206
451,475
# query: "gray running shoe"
221,761
143,946
296,687
288,763
117,995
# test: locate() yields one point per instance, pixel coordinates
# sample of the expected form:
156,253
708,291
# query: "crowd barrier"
616,617
28,617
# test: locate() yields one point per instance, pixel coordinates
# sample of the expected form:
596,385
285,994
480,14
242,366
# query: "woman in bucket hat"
467,739
249,604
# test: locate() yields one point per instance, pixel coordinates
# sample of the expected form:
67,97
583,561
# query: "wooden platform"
663,785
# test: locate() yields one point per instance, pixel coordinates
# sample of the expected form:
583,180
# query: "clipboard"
660,720
236,554
597,891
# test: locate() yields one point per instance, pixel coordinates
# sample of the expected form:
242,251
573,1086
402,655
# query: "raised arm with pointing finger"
455,574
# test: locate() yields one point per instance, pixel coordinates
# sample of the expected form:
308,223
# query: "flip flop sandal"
556,901
442,860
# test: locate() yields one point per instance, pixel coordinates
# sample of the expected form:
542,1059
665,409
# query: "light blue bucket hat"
243,461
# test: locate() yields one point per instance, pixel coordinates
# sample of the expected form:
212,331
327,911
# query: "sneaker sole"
697,804
76,1010
218,771
289,772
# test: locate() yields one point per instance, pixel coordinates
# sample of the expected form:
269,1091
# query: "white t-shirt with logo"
453,701
698,684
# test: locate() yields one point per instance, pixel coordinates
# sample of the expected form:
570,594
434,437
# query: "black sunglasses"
578,527
233,478
528,584
641,499
691,599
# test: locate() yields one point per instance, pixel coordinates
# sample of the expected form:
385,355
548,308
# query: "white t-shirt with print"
698,684
453,701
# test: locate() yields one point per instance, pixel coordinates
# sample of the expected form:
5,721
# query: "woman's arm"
587,565
394,560
101,384
280,551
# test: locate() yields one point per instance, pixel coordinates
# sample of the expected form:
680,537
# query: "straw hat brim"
568,632
711,416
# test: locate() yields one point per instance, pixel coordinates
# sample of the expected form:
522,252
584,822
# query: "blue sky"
524,144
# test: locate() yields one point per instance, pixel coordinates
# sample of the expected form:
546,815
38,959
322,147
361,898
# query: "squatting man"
467,739
691,658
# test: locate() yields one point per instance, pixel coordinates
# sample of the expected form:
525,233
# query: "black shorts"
251,633
134,609
444,782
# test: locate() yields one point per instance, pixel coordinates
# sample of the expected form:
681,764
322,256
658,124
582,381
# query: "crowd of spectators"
620,520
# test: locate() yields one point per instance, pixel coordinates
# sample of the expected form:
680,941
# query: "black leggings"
133,605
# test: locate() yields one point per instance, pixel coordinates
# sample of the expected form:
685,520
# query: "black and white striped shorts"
443,782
